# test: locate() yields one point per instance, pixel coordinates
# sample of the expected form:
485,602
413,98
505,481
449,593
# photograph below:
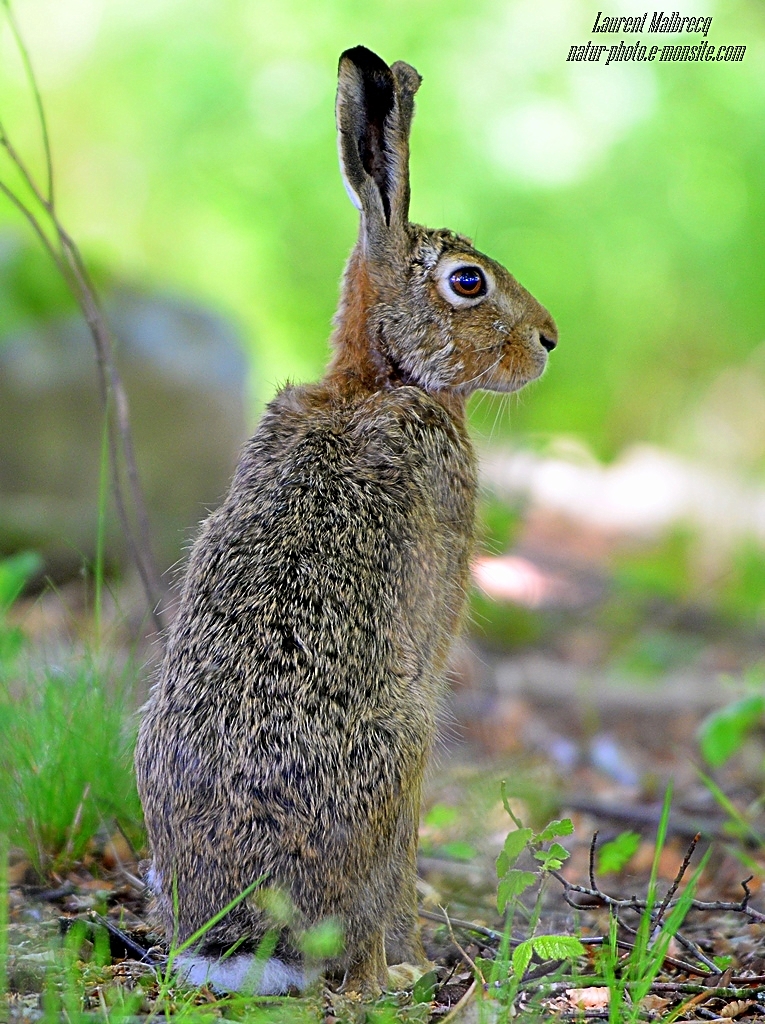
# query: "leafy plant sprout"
618,970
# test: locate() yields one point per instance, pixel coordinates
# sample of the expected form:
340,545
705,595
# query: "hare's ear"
375,105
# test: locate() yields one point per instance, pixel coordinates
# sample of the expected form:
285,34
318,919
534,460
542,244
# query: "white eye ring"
445,275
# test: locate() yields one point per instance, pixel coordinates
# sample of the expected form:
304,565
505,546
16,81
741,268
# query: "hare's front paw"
367,975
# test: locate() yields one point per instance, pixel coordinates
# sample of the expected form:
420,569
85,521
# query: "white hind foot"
241,973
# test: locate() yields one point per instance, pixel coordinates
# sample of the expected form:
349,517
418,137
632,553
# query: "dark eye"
468,282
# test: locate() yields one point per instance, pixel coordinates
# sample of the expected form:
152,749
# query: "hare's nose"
548,341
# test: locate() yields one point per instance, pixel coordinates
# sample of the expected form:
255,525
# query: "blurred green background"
195,152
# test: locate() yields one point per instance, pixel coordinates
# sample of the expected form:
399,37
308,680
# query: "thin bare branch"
37,228
120,434
633,903
479,929
700,955
677,880
593,844
24,170
465,956
32,79
669,961
69,262
139,953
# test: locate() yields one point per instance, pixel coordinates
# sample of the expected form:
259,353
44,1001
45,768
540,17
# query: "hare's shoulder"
381,418
397,450
310,424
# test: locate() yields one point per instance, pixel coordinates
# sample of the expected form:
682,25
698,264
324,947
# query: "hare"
286,737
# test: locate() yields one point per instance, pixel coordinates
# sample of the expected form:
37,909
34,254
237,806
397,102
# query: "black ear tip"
365,60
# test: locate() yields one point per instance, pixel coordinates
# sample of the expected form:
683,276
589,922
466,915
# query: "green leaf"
458,850
491,968
557,947
723,733
14,573
552,859
515,843
564,827
425,988
522,958
559,852
513,884
546,947
441,815
614,856
323,940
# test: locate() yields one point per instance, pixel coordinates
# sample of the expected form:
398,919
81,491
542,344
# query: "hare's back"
341,542
298,696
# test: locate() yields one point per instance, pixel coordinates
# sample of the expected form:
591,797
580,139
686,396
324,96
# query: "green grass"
66,737
630,978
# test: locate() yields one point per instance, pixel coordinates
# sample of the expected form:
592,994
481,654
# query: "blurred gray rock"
185,374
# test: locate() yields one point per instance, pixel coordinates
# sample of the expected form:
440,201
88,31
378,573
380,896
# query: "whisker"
498,407
483,373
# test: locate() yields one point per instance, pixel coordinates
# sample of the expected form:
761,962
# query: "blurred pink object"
513,578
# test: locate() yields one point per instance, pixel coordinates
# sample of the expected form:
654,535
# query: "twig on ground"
707,969
724,992
700,955
666,987
740,908
676,881
468,959
139,952
657,916
495,937
633,903
489,933
693,1002
591,863
671,961
52,895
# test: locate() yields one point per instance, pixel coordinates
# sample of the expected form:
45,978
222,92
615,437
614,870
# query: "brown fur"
288,731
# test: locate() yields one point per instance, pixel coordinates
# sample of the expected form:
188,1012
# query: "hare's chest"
433,464
415,439
443,469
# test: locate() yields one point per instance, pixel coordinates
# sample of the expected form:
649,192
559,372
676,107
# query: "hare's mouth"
517,369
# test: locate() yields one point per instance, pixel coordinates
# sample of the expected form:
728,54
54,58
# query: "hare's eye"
468,282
